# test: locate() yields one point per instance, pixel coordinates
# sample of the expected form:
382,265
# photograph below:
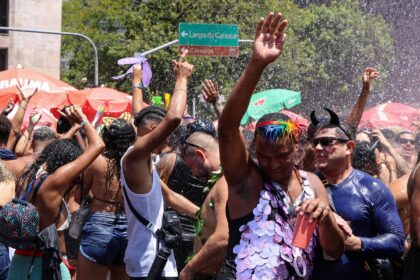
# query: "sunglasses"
327,141
405,141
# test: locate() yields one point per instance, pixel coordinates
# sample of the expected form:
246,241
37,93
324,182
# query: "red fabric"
29,253
90,100
390,114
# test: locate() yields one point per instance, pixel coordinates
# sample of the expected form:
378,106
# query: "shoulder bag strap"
327,188
145,222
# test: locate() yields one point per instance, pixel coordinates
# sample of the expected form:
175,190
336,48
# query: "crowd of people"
84,202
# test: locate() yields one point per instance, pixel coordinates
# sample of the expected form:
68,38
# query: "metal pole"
176,41
159,48
96,74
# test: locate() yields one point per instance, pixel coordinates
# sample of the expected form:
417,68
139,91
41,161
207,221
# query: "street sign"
209,39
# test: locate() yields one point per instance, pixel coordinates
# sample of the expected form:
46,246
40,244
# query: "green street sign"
208,35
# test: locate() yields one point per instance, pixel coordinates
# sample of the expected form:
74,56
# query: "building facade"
40,52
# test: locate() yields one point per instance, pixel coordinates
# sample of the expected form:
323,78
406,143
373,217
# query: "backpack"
19,219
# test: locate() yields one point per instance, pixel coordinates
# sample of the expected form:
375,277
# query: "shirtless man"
398,189
201,154
412,260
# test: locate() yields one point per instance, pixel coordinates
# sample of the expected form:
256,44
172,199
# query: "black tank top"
228,270
183,182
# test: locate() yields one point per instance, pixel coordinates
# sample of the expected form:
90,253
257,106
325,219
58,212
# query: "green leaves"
326,51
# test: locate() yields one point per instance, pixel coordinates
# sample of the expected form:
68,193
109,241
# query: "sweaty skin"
95,181
398,189
215,231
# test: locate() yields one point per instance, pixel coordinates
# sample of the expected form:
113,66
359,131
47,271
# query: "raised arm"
144,145
356,114
25,140
26,94
137,101
268,45
211,94
60,179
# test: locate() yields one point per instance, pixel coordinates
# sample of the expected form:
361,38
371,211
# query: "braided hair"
118,137
149,114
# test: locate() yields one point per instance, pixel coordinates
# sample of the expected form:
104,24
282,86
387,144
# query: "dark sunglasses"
405,141
327,141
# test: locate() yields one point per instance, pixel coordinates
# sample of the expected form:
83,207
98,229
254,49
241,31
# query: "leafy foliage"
327,48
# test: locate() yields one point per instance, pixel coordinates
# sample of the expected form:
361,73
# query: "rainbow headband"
276,131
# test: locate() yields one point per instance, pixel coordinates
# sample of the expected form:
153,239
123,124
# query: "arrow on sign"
183,34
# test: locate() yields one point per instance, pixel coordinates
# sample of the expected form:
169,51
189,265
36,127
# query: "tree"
326,51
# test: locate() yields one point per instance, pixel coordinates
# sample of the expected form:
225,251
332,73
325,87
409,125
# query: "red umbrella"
115,102
51,94
390,114
9,79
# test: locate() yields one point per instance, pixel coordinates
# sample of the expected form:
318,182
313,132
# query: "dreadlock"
118,137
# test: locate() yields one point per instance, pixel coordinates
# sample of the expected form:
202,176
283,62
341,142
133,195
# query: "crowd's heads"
52,157
5,127
276,138
63,125
407,143
59,153
344,130
365,159
118,137
332,141
43,134
149,116
201,153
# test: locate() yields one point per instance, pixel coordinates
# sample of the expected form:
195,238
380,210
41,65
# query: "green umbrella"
270,101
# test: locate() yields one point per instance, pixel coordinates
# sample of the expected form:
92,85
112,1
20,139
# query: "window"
3,59
4,14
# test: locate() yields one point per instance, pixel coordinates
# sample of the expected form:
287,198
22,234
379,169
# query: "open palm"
269,38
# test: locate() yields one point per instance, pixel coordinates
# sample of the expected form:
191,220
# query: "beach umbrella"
101,102
390,114
270,101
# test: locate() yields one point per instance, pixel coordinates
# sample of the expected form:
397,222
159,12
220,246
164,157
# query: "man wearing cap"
362,201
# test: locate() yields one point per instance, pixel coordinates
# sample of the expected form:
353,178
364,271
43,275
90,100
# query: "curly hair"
5,128
118,137
149,114
54,155
364,159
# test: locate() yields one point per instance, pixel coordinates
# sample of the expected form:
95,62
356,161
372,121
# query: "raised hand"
210,91
137,73
269,39
9,107
26,91
368,76
35,117
182,69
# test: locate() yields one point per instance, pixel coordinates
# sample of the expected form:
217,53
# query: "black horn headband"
334,121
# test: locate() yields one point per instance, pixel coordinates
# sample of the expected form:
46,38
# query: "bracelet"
83,123
23,107
180,89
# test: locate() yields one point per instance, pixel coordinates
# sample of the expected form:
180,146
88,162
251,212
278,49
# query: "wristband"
180,89
83,123
139,86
